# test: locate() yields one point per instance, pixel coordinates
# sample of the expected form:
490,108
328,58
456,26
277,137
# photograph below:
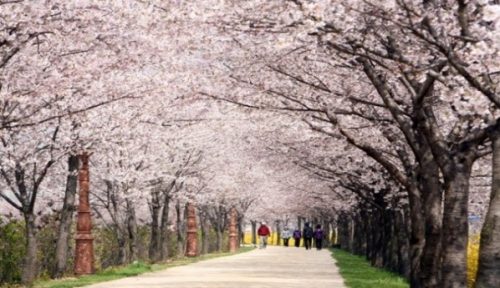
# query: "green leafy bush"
12,249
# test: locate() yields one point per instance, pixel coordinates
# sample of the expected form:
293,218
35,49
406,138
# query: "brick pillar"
192,232
233,234
84,252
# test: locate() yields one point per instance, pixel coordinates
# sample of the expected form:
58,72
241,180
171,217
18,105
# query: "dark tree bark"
155,208
219,236
181,229
432,198
219,221
239,226
113,204
378,242
204,230
132,232
403,244
67,212
389,241
455,226
278,232
359,236
121,238
254,232
344,235
164,233
30,258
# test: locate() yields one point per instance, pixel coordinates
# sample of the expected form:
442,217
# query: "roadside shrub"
47,239
11,250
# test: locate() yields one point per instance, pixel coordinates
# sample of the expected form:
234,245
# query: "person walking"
286,234
296,236
319,234
308,234
263,233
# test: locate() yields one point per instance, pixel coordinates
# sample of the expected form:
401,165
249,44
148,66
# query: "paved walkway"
261,268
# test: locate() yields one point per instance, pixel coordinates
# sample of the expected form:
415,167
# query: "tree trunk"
30,258
181,241
219,226
368,222
388,240
352,233
204,233
327,228
68,209
489,256
378,230
154,244
455,224
433,197
344,231
220,235
122,247
333,240
132,231
358,246
239,228
164,235
403,251
417,234
254,232
278,233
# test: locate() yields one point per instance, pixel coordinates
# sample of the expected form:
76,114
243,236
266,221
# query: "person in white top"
286,234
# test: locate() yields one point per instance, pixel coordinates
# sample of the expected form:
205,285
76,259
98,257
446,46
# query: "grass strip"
135,269
358,273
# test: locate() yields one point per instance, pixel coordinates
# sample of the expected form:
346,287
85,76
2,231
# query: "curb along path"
267,268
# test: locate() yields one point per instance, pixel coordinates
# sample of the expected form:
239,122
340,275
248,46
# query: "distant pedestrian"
263,233
308,234
296,236
286,234
319,234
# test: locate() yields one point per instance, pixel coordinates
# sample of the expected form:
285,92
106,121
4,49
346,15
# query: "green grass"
358,273
127,271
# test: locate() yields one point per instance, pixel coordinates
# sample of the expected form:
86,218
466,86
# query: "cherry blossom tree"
354,113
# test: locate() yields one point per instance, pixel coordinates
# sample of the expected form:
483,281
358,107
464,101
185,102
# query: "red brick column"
192,232
84,252
233,233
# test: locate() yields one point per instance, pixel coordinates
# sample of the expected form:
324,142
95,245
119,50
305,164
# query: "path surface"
261,268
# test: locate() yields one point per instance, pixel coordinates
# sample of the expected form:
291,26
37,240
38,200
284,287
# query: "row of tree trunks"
381,235
125,227
218,219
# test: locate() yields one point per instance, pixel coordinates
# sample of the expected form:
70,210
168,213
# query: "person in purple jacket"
319,234
296,236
